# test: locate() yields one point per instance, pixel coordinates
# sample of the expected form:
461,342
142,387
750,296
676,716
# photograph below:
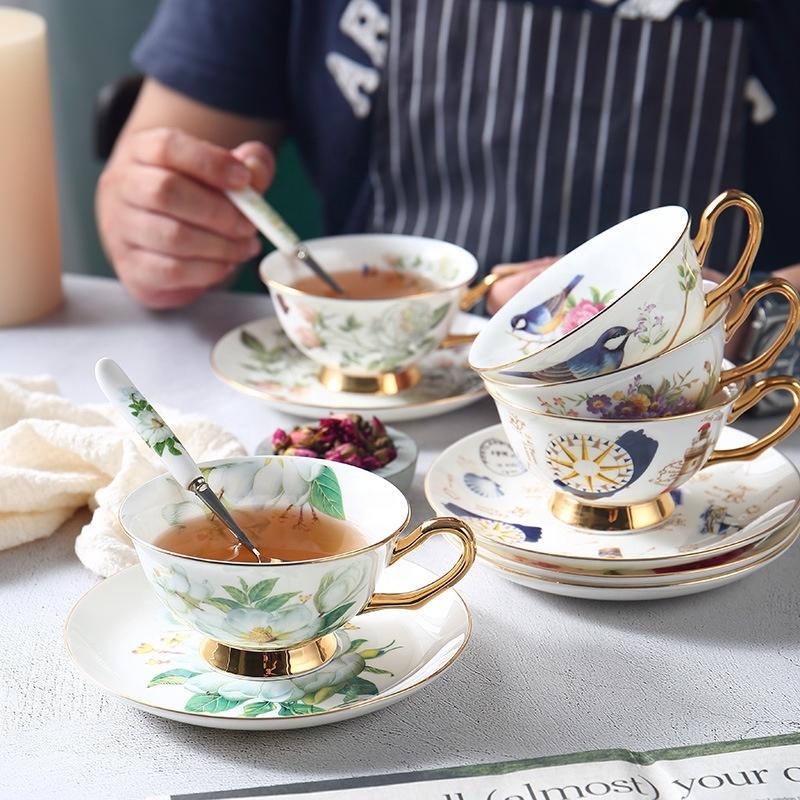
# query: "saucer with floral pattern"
257,358
122,637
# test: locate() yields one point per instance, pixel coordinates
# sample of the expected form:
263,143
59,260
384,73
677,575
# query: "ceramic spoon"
144,419
274,227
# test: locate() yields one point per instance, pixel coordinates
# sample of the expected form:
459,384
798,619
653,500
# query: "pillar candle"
30,246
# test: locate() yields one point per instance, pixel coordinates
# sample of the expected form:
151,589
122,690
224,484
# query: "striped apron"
520,130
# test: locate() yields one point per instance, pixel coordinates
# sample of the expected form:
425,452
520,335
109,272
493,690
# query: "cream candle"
30,246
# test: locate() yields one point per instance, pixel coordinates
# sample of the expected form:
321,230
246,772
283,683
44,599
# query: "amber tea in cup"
368,283
288,534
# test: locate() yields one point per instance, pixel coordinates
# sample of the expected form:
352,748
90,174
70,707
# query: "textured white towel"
57,457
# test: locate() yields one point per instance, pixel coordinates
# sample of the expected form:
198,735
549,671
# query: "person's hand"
515,276
165,224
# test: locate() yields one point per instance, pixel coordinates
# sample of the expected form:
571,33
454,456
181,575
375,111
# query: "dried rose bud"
301,451
302,437
280,440
342,452
385,455
371,463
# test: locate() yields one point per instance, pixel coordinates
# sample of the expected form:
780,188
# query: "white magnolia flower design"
178,592
336,671
340,587
151,427
295,622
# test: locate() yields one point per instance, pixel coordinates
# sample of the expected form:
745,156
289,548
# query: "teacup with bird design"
591,385
615,474
622,297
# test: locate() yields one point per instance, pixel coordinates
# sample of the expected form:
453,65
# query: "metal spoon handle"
161,439
276,229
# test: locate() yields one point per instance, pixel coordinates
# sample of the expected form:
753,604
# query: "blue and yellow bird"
547,316
605,355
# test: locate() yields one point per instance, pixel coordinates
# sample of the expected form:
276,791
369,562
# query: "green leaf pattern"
336,684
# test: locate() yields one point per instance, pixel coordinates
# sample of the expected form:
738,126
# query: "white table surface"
541,675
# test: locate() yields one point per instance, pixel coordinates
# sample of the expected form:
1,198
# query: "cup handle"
736,317
470,298
747,400
705,230
473,295
418,597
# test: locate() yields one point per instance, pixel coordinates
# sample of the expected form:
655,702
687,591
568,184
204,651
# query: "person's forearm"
791,274
158,106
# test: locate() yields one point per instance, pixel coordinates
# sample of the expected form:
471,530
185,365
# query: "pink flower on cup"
579,313
307,337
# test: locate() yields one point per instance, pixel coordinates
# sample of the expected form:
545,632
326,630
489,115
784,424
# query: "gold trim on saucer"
388,383
269,664
566,580
636,517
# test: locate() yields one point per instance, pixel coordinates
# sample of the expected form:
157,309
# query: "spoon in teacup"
161,439
277,230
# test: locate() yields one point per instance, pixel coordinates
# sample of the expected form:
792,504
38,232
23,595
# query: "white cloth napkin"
57,457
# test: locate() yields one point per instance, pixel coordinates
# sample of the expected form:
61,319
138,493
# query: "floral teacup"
619,475
639,279
280,618
680,380
373,345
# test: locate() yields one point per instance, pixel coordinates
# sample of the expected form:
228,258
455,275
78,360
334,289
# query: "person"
515,128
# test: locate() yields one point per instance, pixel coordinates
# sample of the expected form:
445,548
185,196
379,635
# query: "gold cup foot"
271,664
388,383
637,517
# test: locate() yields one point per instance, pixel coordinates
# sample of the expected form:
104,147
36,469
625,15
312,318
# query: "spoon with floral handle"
160,438
277,230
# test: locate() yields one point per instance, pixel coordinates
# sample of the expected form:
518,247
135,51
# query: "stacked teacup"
608,369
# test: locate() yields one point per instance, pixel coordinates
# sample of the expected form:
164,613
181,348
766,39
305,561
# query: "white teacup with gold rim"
402,294
679,380
641,276
618,475
331,528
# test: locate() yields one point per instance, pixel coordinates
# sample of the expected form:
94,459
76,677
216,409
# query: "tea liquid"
368,283
285,534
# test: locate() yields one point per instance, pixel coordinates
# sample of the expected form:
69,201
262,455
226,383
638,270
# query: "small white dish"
723,507
399,471
564,586
257,358
121,636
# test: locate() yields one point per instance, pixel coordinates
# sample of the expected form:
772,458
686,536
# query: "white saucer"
122,638
614,575
258,359
723,507
631,591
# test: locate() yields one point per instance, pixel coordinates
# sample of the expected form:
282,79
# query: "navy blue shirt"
272,59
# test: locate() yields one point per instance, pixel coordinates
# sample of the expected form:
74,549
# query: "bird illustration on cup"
605,355
547,316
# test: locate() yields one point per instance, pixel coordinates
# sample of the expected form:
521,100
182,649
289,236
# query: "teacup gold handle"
747,400
736,317
476,293
418,597
702,241
470,298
